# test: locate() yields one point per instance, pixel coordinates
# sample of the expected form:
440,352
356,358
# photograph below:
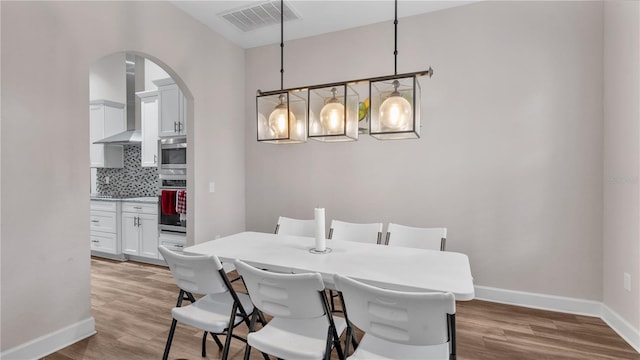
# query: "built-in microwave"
172,155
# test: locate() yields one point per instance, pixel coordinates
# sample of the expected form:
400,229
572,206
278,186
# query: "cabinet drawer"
105,242
140,208
103,221
103,205
171,245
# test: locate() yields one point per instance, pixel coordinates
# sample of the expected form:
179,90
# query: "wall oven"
170,219
172,154
172,175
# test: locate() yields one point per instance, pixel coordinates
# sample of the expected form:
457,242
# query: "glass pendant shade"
282,117
395,108
333,113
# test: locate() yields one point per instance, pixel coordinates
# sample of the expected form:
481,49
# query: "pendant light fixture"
395,100
331,112
281,114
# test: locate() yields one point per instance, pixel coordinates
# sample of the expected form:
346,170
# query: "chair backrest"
411,318
366,233
424,238
198,274
297,227
296,296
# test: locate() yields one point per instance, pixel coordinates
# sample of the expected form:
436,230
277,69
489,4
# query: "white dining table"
390,267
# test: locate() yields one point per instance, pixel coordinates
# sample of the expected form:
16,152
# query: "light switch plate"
212,186
627,281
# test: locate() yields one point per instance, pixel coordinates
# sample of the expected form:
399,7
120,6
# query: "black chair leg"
247,352
204,344
217,340
333,304
169,339
227,343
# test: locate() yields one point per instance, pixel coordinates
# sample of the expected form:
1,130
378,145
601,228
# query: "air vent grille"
258,15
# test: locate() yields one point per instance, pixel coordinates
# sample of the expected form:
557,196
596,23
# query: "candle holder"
314,251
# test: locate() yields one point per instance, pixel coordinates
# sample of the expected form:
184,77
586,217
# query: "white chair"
296,227
302,326
218,312
345,231
397,324
423,238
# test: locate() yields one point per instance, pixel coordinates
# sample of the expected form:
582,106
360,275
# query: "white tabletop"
390,267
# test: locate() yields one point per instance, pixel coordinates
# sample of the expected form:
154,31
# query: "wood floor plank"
131,303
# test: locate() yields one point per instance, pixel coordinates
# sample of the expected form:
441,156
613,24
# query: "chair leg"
336,343
247,352
261,318
204,344
217,340
333,304
169,339
354,342
347,340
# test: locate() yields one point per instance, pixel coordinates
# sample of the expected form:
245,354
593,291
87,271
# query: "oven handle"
173,146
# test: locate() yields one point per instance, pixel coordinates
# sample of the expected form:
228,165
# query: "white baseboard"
50,343
540,301
622,327
563,304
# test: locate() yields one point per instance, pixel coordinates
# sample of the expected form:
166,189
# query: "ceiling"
314,17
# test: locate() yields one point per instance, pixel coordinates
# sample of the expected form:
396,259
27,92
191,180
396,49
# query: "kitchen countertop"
146,199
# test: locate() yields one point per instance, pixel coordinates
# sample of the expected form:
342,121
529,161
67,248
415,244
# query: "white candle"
321,240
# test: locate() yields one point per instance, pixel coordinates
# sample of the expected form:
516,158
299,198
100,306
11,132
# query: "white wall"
510,158
47,51
621,239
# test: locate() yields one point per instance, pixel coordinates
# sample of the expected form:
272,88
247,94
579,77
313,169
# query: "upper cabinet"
172,112
106,118
149,120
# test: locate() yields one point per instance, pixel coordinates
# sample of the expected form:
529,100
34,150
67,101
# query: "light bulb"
279,121
395,111
332,115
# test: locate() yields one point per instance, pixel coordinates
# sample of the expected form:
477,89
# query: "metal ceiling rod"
395,40
282,44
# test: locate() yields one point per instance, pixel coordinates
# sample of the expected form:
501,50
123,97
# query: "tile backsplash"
132,180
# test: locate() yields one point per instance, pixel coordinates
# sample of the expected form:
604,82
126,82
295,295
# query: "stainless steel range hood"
131,136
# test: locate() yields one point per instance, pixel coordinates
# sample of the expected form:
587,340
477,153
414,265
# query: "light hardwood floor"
132,304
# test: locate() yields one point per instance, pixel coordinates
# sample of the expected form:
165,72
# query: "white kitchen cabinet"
172,119
173,242
149,120
104,227
140,229
106,118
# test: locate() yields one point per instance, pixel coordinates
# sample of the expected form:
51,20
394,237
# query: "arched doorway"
137,104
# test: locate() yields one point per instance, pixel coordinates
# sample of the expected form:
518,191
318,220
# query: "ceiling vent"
257,16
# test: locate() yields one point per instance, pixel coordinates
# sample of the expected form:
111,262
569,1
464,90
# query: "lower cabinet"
104,227
105,242
140,230
173,242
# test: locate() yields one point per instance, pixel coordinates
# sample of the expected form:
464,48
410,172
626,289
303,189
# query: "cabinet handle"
175,126
155,159
137,221
95,241
137,207
180,127
95,221
179,246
